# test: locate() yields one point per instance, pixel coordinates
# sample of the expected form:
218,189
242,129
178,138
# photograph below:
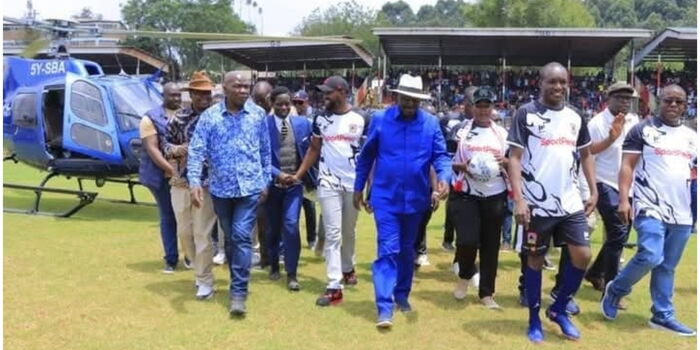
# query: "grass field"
94,281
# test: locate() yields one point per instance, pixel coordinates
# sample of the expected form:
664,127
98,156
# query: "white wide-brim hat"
412,87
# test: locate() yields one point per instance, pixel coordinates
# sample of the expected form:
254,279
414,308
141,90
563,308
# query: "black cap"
484,94
334,83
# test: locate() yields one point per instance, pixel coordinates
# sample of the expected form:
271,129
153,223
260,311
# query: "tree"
344,18
528,13
399,13
206,16
86,13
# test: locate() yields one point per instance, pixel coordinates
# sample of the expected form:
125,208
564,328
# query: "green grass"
93,282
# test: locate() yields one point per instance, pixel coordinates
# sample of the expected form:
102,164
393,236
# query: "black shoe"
275,275
237,306
292,284
330,297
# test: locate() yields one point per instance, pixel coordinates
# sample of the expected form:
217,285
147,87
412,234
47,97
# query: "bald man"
154,170
232,136
662,213
261,95
544,140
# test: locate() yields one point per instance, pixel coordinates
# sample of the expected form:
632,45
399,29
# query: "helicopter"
67,117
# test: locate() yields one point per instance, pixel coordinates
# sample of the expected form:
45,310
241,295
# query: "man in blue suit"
289,141
404,141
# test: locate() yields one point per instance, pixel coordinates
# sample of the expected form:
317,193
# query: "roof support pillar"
503,81
571,75
631,67
439,99
658,74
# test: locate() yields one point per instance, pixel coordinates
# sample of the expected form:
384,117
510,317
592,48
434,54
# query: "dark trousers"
310,217
237,217
283,210
607,263
421,244
449,234
478,231
168,225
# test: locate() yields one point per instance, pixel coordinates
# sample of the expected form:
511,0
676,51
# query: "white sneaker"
455,268
475,280
490,303
255,258
461,288
422,260
219,258
204,292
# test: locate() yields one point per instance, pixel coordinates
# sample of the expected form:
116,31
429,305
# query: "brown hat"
619,86
200,82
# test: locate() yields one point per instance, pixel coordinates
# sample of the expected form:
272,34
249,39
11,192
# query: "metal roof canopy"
672,45
519,46
111,59
292,55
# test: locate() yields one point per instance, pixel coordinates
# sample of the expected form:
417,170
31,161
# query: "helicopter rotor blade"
224,36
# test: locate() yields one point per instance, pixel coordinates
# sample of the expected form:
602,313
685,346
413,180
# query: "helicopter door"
88,125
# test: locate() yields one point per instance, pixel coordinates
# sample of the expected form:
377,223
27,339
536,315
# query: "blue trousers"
168,225
508,221
283,210
659,249
392,272
237,217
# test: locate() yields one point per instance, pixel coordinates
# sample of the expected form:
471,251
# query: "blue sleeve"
517,135
368,153
440,158
584,136
196,151
265,160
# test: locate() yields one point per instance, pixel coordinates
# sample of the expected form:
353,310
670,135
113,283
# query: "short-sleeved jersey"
550,140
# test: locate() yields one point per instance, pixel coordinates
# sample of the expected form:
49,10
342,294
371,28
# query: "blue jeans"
283,210
607,262
508,221
659,249
392,272
168,225
237,217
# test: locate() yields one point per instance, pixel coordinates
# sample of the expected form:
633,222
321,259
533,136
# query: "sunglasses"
298,102
670,101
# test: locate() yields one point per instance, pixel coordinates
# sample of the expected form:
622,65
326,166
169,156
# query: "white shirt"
663,173
550,140
608,161
490,140
278,123
341,136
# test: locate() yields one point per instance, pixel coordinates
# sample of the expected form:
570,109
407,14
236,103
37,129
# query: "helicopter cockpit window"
86,103
132,101
24,110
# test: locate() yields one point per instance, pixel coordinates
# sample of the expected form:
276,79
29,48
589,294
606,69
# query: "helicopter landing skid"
84,197
130,184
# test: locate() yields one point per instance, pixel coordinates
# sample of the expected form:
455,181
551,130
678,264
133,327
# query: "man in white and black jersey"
337,136
657,153
544,139
608,130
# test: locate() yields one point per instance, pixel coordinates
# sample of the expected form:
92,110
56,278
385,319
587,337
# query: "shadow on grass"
153,266
178,292
363,309
624,324
96,211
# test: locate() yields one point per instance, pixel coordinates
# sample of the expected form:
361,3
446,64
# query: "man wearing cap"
233,138
608,130
301,104
337,136
402,144
194,224
154,169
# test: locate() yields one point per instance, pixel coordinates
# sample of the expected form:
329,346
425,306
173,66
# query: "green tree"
528,13
399,13
207,16
345,18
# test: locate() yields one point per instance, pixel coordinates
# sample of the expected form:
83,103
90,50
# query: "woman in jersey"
479,195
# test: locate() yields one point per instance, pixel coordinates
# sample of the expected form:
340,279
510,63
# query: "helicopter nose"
135,147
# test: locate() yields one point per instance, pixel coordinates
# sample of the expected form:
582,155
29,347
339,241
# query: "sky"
279,18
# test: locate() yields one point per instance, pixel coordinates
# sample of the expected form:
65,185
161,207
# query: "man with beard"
337,136
545,136
194,224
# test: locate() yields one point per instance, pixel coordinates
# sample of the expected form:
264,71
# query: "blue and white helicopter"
66,117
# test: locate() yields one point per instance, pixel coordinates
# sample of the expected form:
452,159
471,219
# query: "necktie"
285,129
